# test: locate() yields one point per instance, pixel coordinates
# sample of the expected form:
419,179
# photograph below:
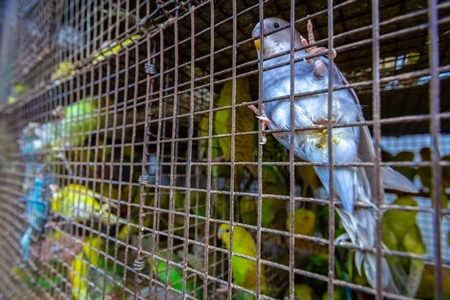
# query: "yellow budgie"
304,224
245,145
401,233
244,270
78,274
80,203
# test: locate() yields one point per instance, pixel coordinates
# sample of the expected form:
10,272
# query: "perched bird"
304,224
110,48
36,209
80,203
85,268
65,70
349,144
244,270
78,120
401,233
245,145
304,221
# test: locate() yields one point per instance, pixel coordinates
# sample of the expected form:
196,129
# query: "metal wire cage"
132,168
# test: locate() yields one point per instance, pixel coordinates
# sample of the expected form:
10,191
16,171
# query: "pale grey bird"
350,144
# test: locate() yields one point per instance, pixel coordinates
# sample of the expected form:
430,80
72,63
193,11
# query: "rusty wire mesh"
127,143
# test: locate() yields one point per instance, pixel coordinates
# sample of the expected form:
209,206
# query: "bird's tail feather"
360,227
370,271
343,184
109,218
415,277
400,276
25,242
359,222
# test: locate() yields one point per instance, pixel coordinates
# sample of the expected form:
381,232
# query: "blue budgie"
349,144
36,207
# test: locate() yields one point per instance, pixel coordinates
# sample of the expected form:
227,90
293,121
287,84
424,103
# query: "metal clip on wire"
150,69
139,265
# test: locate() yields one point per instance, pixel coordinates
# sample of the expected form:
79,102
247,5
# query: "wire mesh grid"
131,167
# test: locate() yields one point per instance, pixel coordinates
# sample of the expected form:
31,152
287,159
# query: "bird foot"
319,66
342,238
264,120
59,111
62,156
54,188
217,159
107,206
144,179
222,288
57,225
51,225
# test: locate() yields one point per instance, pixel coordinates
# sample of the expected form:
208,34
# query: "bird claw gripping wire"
263,120
320,68
144,179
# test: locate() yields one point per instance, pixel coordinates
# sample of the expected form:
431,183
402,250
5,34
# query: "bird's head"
223,234
304,221
30,131
54,188
277,37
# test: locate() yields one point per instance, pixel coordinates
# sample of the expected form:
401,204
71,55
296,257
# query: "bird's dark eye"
276,25
227,230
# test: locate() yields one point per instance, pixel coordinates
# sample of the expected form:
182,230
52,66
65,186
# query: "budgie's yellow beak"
219,233
258,44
